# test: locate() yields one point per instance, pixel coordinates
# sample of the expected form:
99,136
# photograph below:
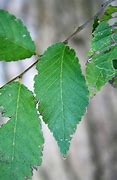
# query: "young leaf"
15,40
109,13
100,68
62,92
21,138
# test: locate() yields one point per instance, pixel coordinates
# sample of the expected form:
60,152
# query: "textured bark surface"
93,152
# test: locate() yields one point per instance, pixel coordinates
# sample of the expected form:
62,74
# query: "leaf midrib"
15,123
61,90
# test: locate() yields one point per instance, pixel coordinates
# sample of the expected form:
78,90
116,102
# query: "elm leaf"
15,40
21,139
61,90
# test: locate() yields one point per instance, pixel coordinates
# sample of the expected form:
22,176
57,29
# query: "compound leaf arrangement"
61,91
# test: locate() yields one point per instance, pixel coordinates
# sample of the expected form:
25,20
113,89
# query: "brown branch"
80,28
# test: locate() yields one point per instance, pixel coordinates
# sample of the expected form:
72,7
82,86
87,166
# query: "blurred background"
93,152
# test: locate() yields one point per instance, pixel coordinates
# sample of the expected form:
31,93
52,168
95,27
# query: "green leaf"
61,90
99,73
21,138
15,41
115,64
109,13
95,24
100,68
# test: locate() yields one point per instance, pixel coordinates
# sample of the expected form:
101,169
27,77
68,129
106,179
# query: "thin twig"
80,28
21,74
